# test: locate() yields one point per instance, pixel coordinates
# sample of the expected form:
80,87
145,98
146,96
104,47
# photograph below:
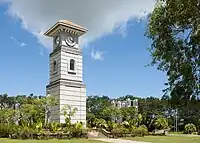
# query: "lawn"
49,141
168,139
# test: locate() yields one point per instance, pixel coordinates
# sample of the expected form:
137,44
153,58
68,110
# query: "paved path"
118,140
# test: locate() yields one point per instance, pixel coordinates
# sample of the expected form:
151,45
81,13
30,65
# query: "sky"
114,49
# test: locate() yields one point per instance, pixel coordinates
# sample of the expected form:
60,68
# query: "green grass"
167,139
176,132
49,141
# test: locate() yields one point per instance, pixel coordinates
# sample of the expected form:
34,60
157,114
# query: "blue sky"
114,65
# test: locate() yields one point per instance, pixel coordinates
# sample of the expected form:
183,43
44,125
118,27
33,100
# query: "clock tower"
66,71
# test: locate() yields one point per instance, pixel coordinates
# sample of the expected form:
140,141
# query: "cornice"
66,49
65,82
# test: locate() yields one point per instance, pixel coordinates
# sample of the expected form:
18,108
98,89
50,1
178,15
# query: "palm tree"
161,123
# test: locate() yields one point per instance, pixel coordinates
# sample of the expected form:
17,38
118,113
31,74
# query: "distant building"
126,103
120,104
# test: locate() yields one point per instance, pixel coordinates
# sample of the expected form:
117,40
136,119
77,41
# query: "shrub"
38,126
76,131
23,133
7,129
144,130
62,125
54,126
140,131
3,130
111,125
190,128
120,131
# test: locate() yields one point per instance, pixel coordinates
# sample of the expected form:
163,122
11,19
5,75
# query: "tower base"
72,93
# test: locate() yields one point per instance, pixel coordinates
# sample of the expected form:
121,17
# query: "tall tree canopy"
174,28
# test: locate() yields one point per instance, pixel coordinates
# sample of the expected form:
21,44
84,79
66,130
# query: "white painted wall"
74,96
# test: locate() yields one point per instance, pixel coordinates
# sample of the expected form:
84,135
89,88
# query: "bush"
54,126
25,133
140,131
7,129
111,125
53,130
76,131
120,131
190,128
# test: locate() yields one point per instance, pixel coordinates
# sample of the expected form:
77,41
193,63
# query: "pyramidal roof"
65,24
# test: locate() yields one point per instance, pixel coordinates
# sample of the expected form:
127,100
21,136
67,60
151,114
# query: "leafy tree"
29,111
10,116
131,97
190,128
139,119
174,28
100,123
48,102
96,105
161,123
90,119
125,113
111,113
3,100
68,111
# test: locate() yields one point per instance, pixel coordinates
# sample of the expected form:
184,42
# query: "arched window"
72,64
54,66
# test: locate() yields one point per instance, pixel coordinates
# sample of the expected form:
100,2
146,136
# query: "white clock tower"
66,70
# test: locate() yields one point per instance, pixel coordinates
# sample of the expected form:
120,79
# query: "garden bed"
45,136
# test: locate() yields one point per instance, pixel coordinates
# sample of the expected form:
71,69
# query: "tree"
90,119
28,112
49,102
139,118
3,100
96,105
111,113
174,28
68,111
161,123
9,116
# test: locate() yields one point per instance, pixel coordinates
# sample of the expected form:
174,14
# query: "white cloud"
100,17
97,55
21,44
13,39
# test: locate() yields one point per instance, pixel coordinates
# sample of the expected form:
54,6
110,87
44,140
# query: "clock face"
57,40
70,41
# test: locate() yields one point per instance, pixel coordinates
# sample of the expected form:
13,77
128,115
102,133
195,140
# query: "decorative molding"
58,27
75,51
69,83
